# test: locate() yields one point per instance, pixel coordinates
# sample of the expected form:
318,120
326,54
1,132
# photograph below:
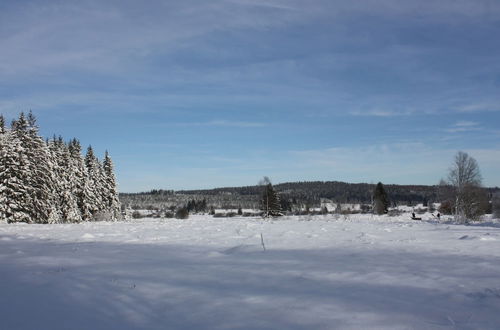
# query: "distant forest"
292,194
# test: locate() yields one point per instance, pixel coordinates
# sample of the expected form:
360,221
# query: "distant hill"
342,192
305,193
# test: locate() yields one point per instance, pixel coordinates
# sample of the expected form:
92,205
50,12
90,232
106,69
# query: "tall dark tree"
380,199
270,201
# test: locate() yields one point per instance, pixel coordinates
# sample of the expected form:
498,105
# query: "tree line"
50,181
293,195
460,195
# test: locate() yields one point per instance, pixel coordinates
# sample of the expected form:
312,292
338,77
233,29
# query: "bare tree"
465,178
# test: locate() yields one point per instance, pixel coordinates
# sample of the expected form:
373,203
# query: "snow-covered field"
324,272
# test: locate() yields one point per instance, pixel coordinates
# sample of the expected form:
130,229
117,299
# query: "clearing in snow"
322,272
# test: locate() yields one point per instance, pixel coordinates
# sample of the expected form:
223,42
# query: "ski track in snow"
321,272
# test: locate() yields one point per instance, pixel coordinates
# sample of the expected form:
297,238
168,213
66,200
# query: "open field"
321,272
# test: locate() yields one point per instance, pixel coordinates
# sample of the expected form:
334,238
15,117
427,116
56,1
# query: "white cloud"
464,126
382,113
110,37
465,123
103,36
226,123
480,107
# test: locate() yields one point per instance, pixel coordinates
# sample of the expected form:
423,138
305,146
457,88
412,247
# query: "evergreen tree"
270,201
380,199
40,174
49,181
36,167
64,178
112,201
2,124
81,187
31,120
14,189
21,124
93,189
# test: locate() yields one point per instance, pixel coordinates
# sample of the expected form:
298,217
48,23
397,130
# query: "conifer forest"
50,181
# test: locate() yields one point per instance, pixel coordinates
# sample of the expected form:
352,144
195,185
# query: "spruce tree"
380,199
14,189
31,120
2,124
29,175
270,202
66,201
40,174
91,190
81,185
112,201
49,181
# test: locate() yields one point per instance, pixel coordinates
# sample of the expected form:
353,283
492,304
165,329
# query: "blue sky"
199,94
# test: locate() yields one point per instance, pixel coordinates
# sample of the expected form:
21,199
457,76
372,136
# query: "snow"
321,272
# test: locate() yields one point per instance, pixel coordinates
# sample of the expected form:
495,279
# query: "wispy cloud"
381,113
107,37
226,123
113,41
267,3
347,71
480,107
464,126
465,123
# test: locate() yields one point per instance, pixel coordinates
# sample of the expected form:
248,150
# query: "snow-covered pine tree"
2,124
103,192
63,178
25,173
40,178
14,192
81,186
71,211
95,188
48,182
112,201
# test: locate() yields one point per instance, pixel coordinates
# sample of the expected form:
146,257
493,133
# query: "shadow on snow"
55,285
